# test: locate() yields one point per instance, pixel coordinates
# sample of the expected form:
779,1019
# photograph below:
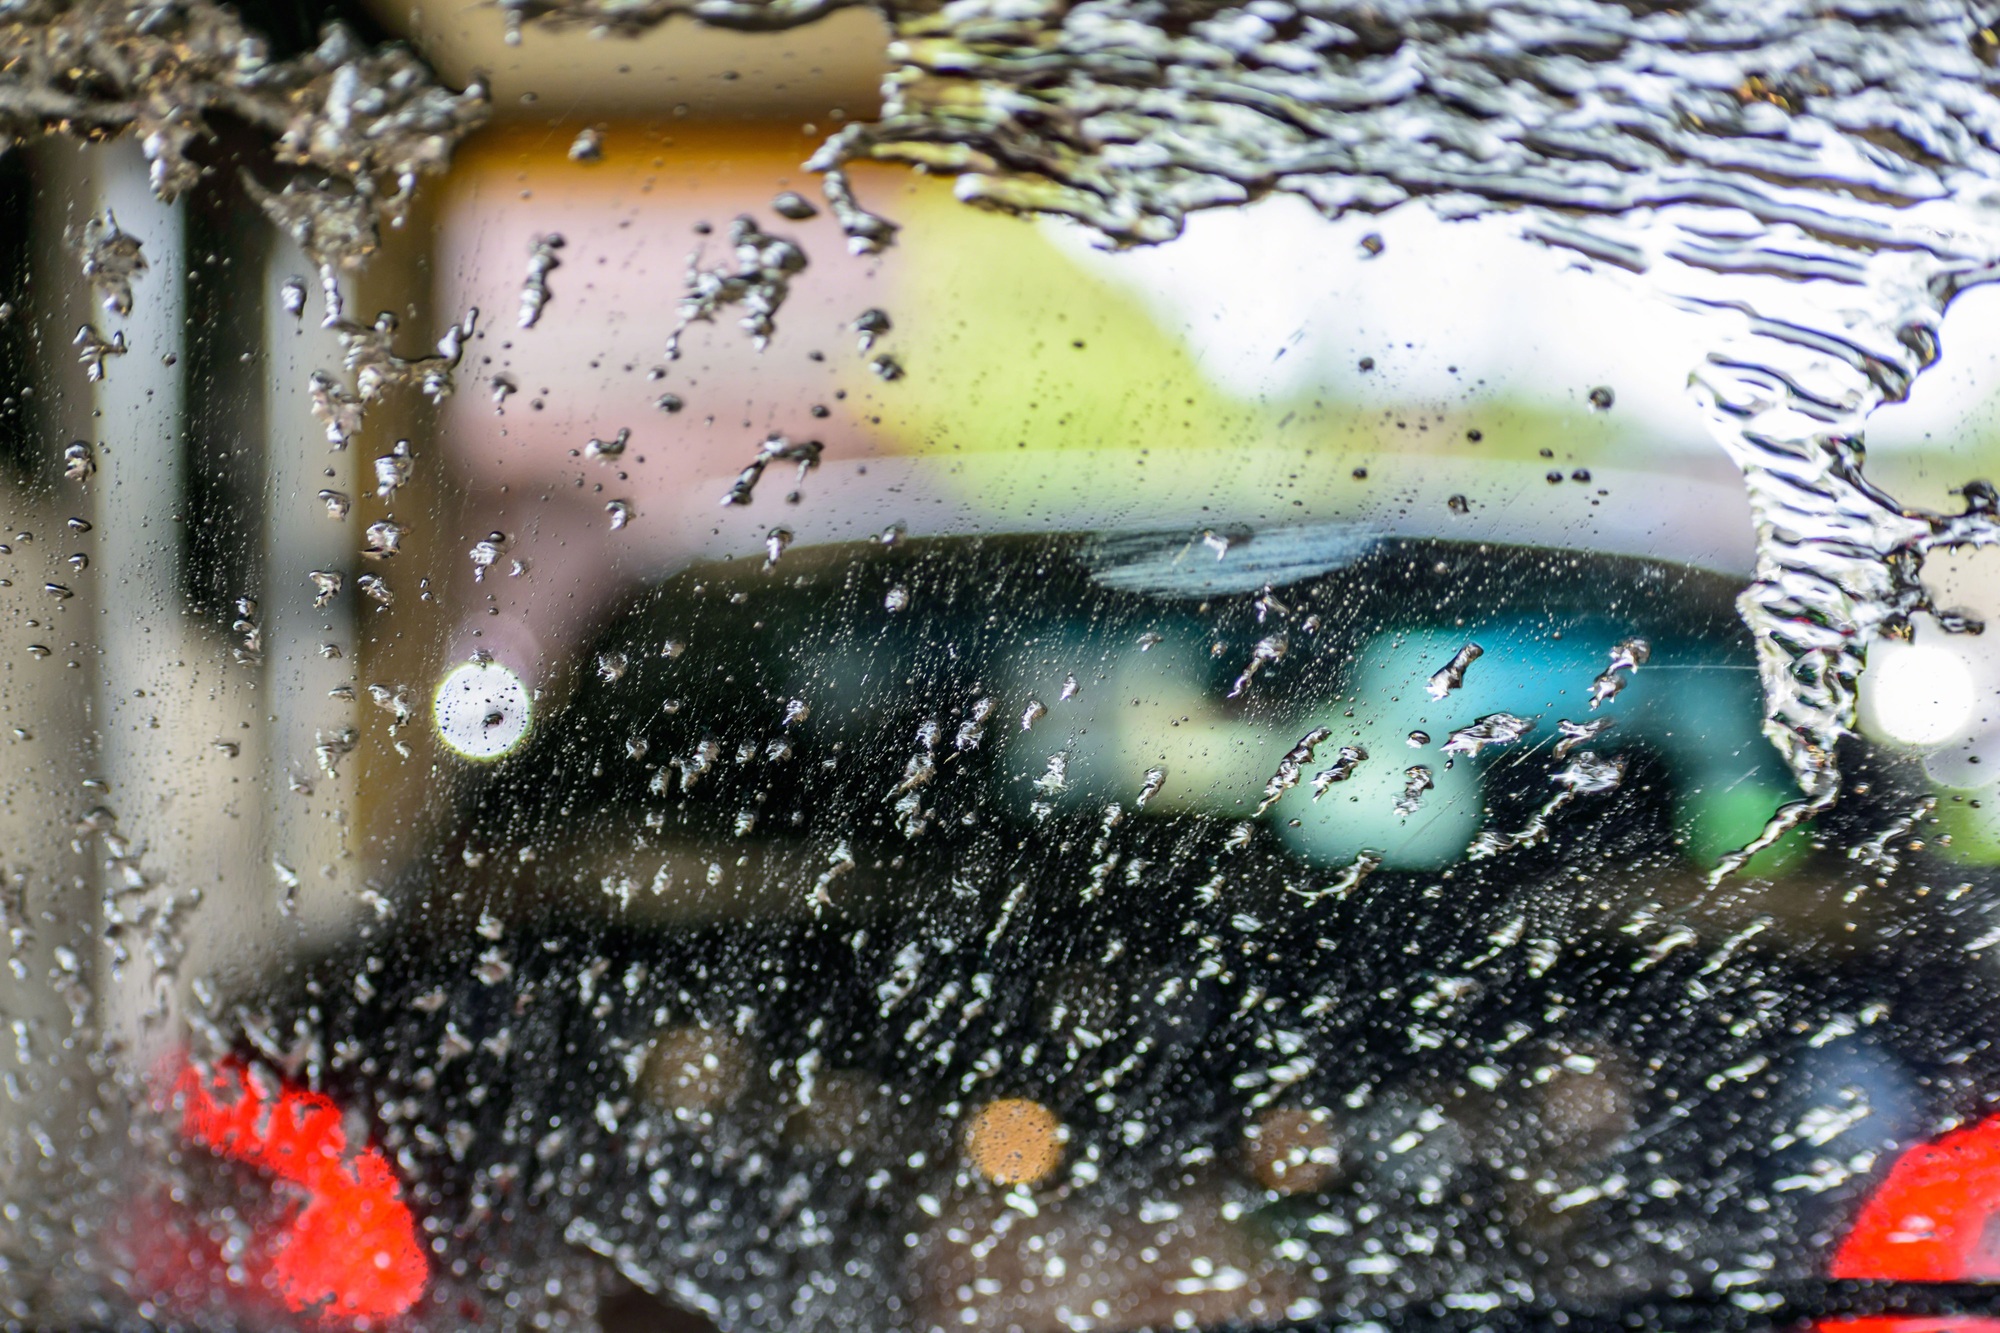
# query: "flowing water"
1822,179
1818,181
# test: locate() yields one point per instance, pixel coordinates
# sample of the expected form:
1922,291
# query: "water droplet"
620,513
292,297
606,450
1452,674
793,206
1266,604
486,552
870,324
337,410
1630,655
1340,770
542,261
493,967
1292,766
973,729
1267,651
78,461
775,448
588,146
1601,398
611,667
384,540
1576,733
896,599
1493,729
326,586
251,650
1416,781
393,700
1626,657
393,469
91,349
1591,773
698,762
759,279
288,886
775,542
112,259
336,502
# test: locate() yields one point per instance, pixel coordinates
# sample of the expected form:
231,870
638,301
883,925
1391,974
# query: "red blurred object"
1935,1218
351,1252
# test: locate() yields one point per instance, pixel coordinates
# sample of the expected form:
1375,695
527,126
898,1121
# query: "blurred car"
1044,790
1229,925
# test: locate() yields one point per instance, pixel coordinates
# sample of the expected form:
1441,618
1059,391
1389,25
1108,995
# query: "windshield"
810,951
624,714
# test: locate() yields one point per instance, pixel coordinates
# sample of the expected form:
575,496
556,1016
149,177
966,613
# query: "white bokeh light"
482,710
1917,694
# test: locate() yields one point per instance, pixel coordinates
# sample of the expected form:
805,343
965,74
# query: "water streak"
1818,178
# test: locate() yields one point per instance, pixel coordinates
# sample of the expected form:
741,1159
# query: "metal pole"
310,650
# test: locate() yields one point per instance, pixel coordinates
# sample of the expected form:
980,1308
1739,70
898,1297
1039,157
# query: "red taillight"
1935,1217
351,1252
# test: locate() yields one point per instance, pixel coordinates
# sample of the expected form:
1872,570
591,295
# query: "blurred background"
238,741
218,743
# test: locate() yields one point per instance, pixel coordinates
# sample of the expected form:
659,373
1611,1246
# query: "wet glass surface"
784,959
621,713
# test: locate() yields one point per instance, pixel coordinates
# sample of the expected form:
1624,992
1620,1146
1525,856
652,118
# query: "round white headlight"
482,710
1917,694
